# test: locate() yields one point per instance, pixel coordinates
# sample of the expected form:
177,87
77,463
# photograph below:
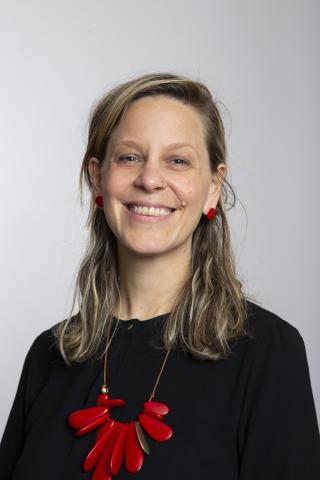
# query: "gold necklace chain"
104,387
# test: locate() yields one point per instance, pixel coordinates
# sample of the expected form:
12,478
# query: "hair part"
210,309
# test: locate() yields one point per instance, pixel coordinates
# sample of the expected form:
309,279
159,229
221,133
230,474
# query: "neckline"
137,327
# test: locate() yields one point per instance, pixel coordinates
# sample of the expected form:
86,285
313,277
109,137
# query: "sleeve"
13,436
33,375
279,432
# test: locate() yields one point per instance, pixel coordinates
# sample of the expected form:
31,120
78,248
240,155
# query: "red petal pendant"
82,418
103,400
119,443
102,430
133,452
118,451
116,402
157,430
96,452
153,415
103,469
93,425
156,407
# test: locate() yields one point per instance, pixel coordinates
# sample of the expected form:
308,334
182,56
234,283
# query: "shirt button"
130,326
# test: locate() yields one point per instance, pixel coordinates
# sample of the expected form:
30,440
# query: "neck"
149,284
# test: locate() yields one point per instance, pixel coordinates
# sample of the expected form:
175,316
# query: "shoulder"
275,340
43,360
43,353
265,324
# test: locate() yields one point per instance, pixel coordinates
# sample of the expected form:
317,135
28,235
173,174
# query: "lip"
147,218
148,204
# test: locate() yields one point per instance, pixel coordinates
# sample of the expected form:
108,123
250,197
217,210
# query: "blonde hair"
210,309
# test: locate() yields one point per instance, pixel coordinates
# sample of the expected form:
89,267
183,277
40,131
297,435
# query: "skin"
154,258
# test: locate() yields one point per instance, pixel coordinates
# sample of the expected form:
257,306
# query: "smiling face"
144,164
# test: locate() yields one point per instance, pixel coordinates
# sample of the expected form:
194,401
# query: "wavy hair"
210,308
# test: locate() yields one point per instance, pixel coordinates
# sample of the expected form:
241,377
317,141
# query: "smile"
148,214
150,211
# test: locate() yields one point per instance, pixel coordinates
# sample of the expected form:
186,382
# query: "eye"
180,160
126,157
131,159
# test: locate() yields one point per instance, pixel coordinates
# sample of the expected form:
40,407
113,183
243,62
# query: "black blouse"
249,417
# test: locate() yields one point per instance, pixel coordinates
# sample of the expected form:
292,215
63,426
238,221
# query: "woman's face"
144,164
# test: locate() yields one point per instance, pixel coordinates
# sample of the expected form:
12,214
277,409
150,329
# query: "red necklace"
119,443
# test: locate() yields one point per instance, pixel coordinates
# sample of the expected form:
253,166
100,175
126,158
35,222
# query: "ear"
94,168
215,188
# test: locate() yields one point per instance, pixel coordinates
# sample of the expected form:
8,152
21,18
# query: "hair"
210,308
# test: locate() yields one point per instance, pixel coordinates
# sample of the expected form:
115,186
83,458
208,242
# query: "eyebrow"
172,145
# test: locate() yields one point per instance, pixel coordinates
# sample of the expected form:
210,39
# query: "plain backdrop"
260,59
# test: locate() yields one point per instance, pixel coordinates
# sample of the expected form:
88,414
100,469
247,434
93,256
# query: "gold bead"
104,389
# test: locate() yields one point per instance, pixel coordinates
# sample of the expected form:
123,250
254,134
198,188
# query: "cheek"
191,192
113,184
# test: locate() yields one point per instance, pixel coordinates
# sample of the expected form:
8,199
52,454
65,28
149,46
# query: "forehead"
160,118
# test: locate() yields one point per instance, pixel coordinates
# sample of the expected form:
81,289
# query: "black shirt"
249,417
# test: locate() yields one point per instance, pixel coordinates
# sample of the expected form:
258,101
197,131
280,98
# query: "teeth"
151,211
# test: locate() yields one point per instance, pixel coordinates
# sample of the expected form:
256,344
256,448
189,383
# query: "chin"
146,249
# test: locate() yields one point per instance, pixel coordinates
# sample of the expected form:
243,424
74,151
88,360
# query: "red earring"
99,201
211,214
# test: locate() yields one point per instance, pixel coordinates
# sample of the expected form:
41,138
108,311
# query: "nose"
150,176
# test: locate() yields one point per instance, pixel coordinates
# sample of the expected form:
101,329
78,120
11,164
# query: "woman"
168,370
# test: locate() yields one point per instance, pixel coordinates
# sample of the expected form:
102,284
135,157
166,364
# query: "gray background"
260,58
